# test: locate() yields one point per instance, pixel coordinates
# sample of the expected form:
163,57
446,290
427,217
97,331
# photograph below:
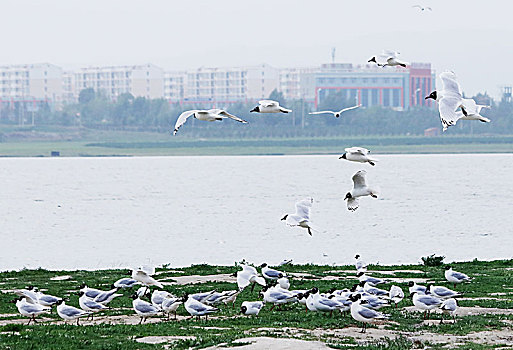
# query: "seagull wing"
359,179
303,208
268,103
360,150
231,116
182,119
352,204
323,112
349,108
450,83
447,106
368,313
417,6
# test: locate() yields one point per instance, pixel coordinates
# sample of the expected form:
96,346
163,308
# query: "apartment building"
174,86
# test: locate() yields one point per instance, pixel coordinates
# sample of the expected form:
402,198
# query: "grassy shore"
485,314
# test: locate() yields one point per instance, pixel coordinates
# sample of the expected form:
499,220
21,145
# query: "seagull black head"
256,109
343,156
348,196
59,302
359,273
315,290
411,284
373,59
243,309
432,95
285,217
357,256
263,265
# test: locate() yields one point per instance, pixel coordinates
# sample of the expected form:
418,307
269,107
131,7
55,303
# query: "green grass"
489,277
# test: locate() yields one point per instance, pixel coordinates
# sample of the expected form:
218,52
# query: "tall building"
369,85
140,80
31,82
174,86
294,82
230,85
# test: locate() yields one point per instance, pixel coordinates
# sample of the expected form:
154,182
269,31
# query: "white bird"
413,287
269,106
29,309
358,154
170,305
90,292
361,266
46,299
201,296
142,291
422,8
425,302
251,307
362,314
284,282
247,276
324,304
388,58
198,309
450,100
158,296
374,302
373,281
232,298
271,274
106,297
70,313
205,115
90,305
29,293
371,289
143,308
449,306
396,294
360,189
144,278
285,262
337,113
301,217
455,277
125,283
442,292
219,297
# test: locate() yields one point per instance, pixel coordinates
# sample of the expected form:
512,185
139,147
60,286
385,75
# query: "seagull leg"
253,287
30,319
140,321
442,318
309,231
78,319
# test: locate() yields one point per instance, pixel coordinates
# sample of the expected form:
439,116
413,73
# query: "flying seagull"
301,217
336,114
206,115
270,106
422,8
360,189
450,101
388,58
358,154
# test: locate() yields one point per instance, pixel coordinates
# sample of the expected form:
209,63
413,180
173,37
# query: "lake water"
68,213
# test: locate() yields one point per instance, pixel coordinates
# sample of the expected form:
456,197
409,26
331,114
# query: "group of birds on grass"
363,300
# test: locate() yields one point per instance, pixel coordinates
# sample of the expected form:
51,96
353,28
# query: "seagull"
277,296
90,292
269,106
247,276
285,262
125,283
388,58
29,309
89,305
170,304
336,114
143,308
396,294
374,302
284,282
70,313
217,298
358,154
232,298
413,287
425,302
442,292
271,274
455,277
362,314
195,308
360,189
106,297
201,296
449,306
450,99
206,115
145,278
46,299
29,293
158,296
361,266
324,304
362,277
422,8
301,217
369,288
251,307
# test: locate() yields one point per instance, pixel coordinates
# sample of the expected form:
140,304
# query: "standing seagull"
336,114
360,189
361,266
247,276
196,308
269,106
144,278
396,294
143,308
449,306
450,99
301,217
206,115
362,314
425,302
251,307
358,154
70,313
29,309
455,276
271,274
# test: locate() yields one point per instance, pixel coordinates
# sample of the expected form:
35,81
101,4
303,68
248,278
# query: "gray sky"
472,38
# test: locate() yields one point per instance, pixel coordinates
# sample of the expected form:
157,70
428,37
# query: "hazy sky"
472,38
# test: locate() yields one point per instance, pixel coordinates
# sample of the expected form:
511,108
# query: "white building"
293,82
140,80
174,86
25,82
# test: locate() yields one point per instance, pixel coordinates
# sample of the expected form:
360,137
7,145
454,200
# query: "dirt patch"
259,343
466,311
163,339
